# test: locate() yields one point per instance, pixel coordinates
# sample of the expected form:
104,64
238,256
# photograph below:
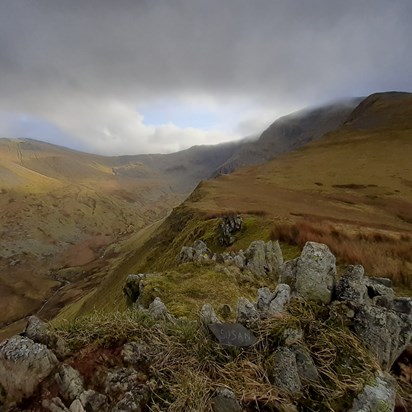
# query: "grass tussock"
187,365
382,253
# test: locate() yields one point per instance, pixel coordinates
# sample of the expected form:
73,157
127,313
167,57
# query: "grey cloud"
63,60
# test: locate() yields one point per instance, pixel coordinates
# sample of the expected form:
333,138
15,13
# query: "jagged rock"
133,287
264,258
54,405
282,298
199,252
23,365
93,401
378,396
225,401
70,383
208,315
316,273
386,333
380,294
125,385
37,331
288,273
76,406
306,367
402,305
240,259
134,353
159,310
291,336
351,286
285,373
247,314
265,296
229,225
382,281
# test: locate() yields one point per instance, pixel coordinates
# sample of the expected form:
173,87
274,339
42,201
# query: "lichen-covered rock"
228,226
54,405
37,331
306,366
288,273
285,373
247,314
402,305
23,365
263,258
239,260
351,286
159,310
70,382
385,333
133,287
281,299
316,273
265,296
225,401
208,315
93,401
136,353
76,406
199,252
378,293
378,396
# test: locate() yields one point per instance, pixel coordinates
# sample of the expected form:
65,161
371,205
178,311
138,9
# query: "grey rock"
159,310
265,296
247,314
282,298
288,273
379,294
128,403
316,273
263,258
384,332
93,401
38,331
382,281
239,260
228,226
232,334
24,364
199,252
306,367
76,406
351,286
378,396
402,305
285,373
54,405
133,287
70,382
208,315
225,401
135,353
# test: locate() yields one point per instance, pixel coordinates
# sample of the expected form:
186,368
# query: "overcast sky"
139,76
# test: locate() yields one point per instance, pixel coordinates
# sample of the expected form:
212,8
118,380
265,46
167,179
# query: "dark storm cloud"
87,66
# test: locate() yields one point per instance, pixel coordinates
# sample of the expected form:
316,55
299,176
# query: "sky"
157,76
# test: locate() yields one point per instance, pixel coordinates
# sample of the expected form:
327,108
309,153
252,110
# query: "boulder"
70,383
239,260
228,226
159,310
265,296
307,370
285,373
351,286
208,315
24,364
316,273
378,396
288,273
199,252
384,332
133,287
282,298
225,401
378,293
247,314
263,258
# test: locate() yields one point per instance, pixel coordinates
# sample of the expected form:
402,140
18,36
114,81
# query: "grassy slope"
355,182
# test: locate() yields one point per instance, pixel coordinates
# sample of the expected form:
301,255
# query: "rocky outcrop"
133,287
70,383
24,364
159,310
228,226
264,259
199,252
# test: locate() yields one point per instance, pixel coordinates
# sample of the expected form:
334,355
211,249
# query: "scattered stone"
306,367
23,365
208,315
54,405
93,401
285,373
240,259
225,401
263,258
282,298
228,226
70,383
351,286
133,287
232,334
288,273
378,396
199,252
316,273
247,314
159,310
